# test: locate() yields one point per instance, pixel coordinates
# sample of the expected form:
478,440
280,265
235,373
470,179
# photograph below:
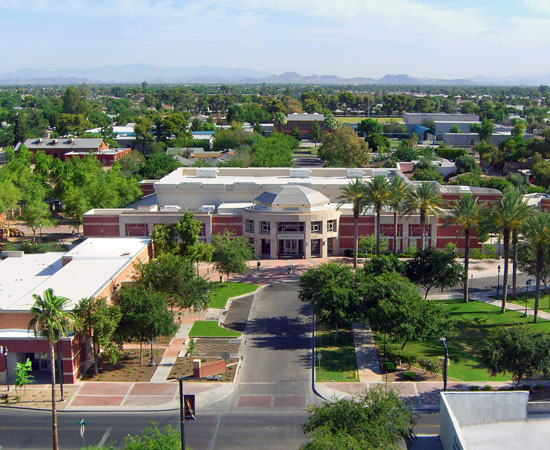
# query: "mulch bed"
421,375
184,368
127,369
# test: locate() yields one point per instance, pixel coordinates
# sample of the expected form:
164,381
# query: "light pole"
40,226
5,353
182,416
498,282
444,342
527,284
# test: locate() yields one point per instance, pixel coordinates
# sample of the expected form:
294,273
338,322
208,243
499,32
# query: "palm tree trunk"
506,239
355,239
395,233
537,285
514,264
55,442
466,263
378,232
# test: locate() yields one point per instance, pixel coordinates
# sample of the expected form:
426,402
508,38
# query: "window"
265,227
331,225
291,227
250,226
317,227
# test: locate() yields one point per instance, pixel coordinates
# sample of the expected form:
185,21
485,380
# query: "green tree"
518,350
382,264
434,268
455,129
164,238
465,164
398,190
377,193
505,216
187,231
99,320
296,133
376,419
423,199
175,278
425,170
527,261
23,376
331,123
51,321
466,213
19,130
536,231
158,165
144,317
231,254
316,133
330,289
343,148
368,244
484,129
369,126
36,212
354,193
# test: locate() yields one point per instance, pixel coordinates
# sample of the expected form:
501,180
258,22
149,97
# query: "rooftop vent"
54,141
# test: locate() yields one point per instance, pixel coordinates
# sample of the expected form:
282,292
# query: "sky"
366,38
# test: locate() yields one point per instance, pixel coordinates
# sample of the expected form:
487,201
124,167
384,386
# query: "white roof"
88,268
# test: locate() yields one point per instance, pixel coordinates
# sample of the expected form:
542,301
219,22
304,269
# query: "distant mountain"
136,73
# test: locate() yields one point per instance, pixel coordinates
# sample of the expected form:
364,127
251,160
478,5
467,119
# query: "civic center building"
283,212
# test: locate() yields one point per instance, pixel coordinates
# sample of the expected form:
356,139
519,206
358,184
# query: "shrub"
539,387
411,251
490,250
450,248
348,253
389,366
429,365
475,388
409,376
476,253
450,153
487,387
525,387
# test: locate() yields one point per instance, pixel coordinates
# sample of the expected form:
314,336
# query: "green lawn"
338,361
476,322
220,293
210,328
357,119
544,301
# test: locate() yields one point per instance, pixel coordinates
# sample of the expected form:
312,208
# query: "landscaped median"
476,324
221,293
338,361
210,328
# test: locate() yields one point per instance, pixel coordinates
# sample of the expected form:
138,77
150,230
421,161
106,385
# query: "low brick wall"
206,370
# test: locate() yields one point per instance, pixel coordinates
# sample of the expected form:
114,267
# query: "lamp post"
445,363
527,284
5,353
182,416
498,282
40,226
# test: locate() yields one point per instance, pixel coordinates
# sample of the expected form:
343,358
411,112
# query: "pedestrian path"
365,353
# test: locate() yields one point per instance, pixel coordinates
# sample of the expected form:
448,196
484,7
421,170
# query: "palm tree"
505,216
398,191
354,193
425,200
537,233
523,212
51,321
377,193
466,213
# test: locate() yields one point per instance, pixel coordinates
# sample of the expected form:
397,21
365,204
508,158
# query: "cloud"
540,6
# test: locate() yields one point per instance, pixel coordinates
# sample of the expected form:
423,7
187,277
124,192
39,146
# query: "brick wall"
208,369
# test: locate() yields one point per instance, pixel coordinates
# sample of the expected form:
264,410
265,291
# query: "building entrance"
291,247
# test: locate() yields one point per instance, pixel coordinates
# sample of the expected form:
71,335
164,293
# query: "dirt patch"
127,369
36,397
183,367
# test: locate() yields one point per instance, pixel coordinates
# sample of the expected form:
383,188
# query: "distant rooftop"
305,117
67,143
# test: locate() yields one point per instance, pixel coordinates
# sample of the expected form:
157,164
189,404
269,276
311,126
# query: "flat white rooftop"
89,267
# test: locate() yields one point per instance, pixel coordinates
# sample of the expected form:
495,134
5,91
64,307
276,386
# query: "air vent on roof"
300,173
170,208
54,141
206,172
71,140
39,140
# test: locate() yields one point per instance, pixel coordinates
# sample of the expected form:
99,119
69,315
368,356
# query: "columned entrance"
291,247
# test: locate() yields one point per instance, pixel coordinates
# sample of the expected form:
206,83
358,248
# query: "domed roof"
292,196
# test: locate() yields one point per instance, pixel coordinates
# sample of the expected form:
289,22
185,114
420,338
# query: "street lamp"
445,363
527,284
182,415
5,353
498,282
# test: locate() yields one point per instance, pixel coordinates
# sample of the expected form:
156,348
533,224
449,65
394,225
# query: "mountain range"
136,73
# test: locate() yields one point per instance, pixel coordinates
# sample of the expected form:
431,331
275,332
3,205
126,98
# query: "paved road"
265,410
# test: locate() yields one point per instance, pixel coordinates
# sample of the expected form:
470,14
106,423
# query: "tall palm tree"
52,322
536,232
466,213
377,193
425,200
398,190
505,216
354,193
523,212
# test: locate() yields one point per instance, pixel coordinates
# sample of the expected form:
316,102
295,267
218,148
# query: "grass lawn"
338,361
220,293
476,323
544,301
210,328
357,119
